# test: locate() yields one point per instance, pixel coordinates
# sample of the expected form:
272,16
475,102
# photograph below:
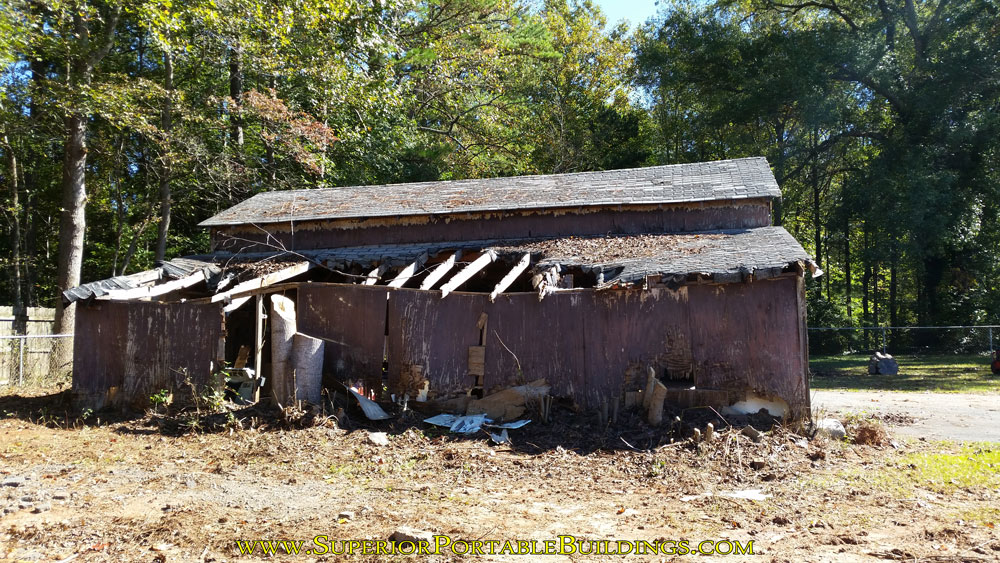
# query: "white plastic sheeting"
282,336
307,361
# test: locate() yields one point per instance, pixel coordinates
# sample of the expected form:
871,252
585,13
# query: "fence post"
20,362
883,340
991,339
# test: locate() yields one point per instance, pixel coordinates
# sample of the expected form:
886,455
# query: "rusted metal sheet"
124,352
333,233
351,319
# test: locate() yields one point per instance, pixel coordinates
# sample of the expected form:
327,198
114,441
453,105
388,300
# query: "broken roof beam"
511,276
264,281
466,273
546,281
441,270
150,291
407,273
374,275
236,304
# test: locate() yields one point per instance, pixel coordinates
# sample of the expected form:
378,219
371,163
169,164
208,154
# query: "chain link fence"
24,359
896,340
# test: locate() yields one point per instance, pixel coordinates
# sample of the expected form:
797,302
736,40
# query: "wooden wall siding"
434,334
594,346
351,319
124,352
747,336
309,235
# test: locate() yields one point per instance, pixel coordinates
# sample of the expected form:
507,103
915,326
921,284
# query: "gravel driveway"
938,416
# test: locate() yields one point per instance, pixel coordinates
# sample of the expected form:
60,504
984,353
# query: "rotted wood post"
656,399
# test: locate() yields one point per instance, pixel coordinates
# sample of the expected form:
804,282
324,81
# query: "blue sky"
635,11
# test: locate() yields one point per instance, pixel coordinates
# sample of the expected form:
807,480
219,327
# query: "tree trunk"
72,222
16,281
865,281
847,269
36,159
236,93
166,124
72,226
817,227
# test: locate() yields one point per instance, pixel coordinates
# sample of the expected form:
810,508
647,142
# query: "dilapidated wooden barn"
448,288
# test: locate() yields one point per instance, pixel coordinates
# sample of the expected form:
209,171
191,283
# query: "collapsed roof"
610,261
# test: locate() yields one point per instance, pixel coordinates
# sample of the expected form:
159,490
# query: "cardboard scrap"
509,404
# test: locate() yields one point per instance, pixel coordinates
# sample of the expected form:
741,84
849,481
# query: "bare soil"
149,489
966,417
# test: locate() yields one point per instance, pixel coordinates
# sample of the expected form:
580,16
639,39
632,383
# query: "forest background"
124,124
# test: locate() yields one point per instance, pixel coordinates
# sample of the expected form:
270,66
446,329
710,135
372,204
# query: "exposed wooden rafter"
466,273
511,276
441,270
264,281
407,273
150,291
375,275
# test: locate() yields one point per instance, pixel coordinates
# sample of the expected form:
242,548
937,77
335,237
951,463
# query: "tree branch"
832,7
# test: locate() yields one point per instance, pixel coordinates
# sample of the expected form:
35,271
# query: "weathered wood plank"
511,276
375,275
466,273
440,270
407,273
264,281
150,291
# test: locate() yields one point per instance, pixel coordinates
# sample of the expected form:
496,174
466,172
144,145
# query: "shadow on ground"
567,428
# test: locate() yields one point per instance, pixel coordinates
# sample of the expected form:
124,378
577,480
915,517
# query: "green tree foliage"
192,106
880,120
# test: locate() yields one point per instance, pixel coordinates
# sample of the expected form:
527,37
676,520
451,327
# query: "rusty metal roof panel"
739,179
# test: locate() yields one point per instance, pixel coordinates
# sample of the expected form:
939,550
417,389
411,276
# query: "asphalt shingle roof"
745,178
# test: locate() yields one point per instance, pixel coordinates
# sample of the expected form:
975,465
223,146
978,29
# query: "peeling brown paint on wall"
124,352
633,219
351,319
593,346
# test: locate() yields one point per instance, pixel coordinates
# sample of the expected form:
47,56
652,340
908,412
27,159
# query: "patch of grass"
984,515
974,466
340,470
955,373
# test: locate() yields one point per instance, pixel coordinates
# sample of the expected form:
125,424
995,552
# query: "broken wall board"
595,346
747,336
351,319
477,360
126,351
435,334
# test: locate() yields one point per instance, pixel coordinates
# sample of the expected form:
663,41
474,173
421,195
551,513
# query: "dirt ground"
939,416
144,489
